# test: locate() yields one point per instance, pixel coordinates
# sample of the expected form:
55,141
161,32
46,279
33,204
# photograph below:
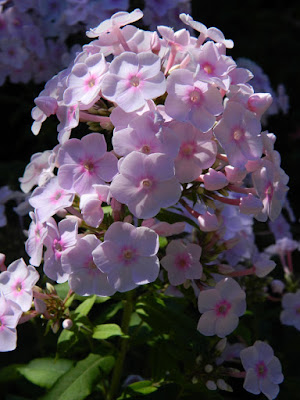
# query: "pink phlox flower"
35,170
250,205
221,308
164,228
90,205
49,199
235,175
208,222
84,81
85,162
84,277
197,151
239,134
148,134
231,351
68,117
214,180
270,190
211,33
60,238
47,104
146,183
133,79
283,245
10,313
128,256
258,103
13,52
179,39
37,233
290,315
263,370
116,21
240,76
214,67
280,228
262,264
182,262
191,100
17,282
121,119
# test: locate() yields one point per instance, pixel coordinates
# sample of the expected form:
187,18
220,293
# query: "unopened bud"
67,323
208,368
211,385
50,288
220,346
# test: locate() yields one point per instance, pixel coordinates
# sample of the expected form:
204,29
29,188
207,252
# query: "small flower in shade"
84,277
197,151
133,79
84,163
128,256
291,309
208,222
146,183
60,238
239,134
221,308
182,262
10,314
49,199
214,180
263,370
17,282
84,81
118,20
34,244
90,205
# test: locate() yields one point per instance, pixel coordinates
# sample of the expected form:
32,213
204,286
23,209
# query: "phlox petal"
226,325
146,270
251,382
269,388
207,323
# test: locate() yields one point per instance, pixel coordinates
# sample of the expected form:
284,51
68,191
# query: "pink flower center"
127,255
146,149
261,369
208,68
238,134
147,183
269,191
58,248
134,81
90,82
222,308
187,150
56,196
183,261
88,165
196,96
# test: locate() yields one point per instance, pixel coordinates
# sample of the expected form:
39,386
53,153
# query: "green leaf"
66,340
44,372
84,308
143,387
62,289
79,381
105,331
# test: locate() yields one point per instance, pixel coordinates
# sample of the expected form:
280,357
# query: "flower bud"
67,323
211,385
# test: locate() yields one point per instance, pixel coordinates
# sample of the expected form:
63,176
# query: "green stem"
117,372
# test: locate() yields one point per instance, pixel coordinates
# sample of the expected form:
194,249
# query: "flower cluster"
176,151
30,46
